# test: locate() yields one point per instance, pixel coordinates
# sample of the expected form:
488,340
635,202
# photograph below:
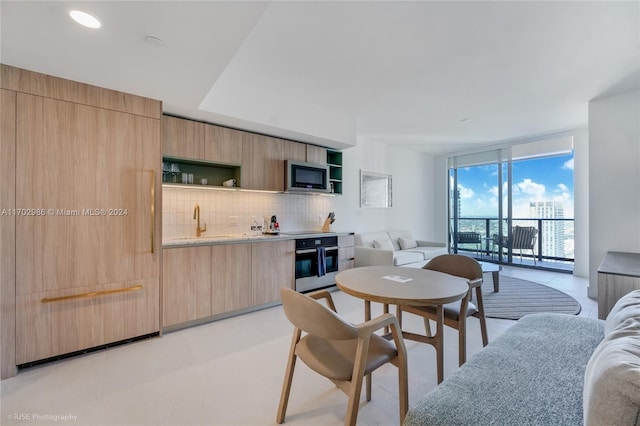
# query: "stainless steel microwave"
306,177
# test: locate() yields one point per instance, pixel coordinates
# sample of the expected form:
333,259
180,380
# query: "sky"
540,179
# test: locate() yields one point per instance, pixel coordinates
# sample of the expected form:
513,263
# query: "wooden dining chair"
340,351
456,313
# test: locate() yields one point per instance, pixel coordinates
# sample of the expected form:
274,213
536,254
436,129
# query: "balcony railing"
554,245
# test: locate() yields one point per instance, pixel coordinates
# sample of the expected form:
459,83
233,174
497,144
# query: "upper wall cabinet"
295,151
220,150
262,162
316,154
222,145
194,140
182,138
334,161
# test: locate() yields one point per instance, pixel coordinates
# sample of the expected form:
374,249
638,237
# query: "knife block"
326,227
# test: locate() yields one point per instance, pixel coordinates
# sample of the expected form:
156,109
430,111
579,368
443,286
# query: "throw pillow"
407,243
628,306
612,378
383,244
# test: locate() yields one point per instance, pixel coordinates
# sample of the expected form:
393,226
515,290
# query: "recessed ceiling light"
154,41
85,19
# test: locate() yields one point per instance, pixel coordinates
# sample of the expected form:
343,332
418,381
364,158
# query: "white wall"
614,178
413,190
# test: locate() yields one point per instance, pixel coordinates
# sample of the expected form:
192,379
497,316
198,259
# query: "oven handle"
313,250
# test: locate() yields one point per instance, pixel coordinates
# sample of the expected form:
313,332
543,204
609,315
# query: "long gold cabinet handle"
92,294
153,211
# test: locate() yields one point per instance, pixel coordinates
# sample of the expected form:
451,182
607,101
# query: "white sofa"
394,248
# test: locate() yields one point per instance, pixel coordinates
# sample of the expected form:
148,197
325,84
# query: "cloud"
563,195
568,164
529,187
465,192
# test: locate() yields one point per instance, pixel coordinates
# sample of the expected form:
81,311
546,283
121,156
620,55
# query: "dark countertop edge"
620,263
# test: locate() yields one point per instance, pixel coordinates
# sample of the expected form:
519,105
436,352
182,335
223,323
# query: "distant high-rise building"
552,234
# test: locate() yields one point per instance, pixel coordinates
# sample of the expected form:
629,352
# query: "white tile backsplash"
294,212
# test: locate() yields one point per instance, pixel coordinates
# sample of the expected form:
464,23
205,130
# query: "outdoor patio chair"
470,238
523,237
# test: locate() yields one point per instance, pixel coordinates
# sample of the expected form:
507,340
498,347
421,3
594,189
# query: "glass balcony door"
475,205
513,205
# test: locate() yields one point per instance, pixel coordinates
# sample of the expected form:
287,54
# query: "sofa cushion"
365,239
407,243
429,252
403,257
628,306
383,244
396,235
612,378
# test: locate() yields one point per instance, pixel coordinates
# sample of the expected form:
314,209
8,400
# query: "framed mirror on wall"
375,189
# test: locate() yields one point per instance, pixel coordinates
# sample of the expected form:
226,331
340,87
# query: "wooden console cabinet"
618,274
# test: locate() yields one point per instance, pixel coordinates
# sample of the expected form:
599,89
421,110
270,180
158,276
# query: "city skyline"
534,180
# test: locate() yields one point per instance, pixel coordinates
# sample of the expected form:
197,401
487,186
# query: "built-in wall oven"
316,262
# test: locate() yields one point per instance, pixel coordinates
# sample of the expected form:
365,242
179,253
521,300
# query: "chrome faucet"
196,216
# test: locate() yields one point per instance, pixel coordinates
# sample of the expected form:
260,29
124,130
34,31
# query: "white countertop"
240,238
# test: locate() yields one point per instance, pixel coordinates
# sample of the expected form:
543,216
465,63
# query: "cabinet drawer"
346,240
344,264
103,314
346,253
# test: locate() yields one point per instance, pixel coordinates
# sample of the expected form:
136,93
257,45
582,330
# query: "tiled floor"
230,372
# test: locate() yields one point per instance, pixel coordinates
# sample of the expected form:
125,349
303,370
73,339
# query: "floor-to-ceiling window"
514,204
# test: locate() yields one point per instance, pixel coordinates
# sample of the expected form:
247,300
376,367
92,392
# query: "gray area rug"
518,298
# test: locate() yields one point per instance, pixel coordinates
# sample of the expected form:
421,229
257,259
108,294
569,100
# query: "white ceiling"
335,73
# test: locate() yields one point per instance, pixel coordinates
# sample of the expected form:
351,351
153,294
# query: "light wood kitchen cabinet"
222,145
7,233
272,267
346,252
262,162
182,138
294,151
205,281
231,282
93,171
87,248
49,328
316,154
186,282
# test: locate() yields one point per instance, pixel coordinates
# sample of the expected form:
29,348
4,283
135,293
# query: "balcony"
553,248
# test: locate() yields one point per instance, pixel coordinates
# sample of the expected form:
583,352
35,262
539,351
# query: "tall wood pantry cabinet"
87,244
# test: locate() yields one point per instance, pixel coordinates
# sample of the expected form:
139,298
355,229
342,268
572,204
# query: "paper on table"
397,278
